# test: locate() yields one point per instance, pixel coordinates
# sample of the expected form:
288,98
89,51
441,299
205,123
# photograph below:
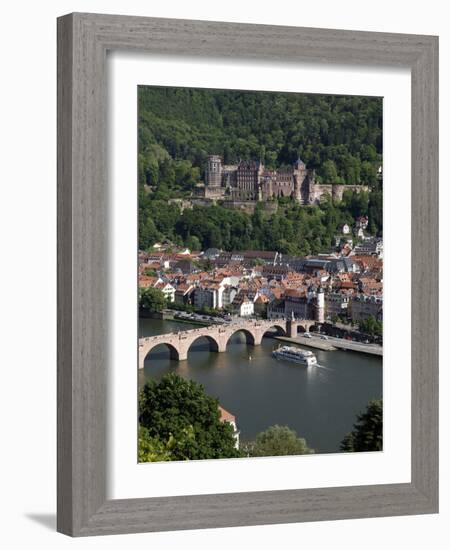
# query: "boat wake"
322,367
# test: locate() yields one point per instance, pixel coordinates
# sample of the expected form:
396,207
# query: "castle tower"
300,168
213,174
297,189
300,182
320,306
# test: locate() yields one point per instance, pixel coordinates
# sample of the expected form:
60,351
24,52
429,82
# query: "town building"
167,289
228,294
362,307
226,416
211,254
296,304
183,294
319,306
336,304
206,296
242,305
300,304
260,305
275,271
369,247
362,222
146,281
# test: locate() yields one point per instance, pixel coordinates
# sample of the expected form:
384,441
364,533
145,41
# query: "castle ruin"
249,182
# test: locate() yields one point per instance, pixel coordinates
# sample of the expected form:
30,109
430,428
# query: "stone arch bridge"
219,335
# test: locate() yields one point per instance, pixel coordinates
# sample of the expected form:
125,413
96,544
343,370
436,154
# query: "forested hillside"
293,229
339,136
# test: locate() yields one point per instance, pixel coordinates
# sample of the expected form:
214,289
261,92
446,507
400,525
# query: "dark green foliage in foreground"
277,441
367,433
153,449
182,422
152,299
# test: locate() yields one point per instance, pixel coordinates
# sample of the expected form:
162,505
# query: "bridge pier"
222,345
291,328
257,339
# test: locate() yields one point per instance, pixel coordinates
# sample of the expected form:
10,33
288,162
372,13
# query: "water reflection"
320,403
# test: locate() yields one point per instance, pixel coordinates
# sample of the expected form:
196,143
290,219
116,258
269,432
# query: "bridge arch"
213,343
306,326
146,350
249,336
281,330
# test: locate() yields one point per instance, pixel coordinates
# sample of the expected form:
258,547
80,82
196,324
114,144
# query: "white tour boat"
296,355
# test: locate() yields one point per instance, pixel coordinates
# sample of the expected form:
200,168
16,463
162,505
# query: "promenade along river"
320,403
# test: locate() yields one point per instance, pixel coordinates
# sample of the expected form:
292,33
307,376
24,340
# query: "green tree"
150,272
376,213
371,326
193,243
180,409
368,173
148,234
204,265
152,449
367,433
152,299
329,171
278,441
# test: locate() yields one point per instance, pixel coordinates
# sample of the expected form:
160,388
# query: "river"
320,403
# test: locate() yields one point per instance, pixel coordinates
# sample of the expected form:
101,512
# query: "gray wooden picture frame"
83,41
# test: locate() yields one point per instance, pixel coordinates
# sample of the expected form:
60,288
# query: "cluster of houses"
270,284
356,242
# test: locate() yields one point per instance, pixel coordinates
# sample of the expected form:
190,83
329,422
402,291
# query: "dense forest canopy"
293,229
184,124
338,136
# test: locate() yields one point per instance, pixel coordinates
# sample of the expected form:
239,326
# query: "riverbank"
189,321
168,315
309,342
333,344
347,345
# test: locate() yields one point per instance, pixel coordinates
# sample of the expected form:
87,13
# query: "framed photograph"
247,274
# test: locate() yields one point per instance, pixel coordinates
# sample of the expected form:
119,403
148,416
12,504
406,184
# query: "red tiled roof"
295,293
346,285
226,416
146,282
277,292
